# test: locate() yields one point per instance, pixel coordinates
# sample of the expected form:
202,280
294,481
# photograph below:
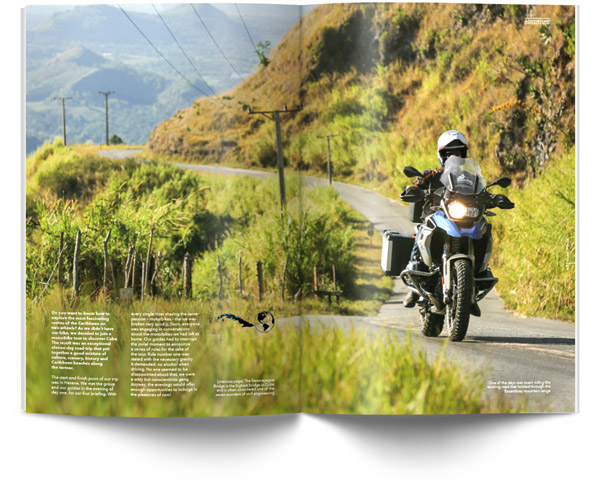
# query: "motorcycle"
455,245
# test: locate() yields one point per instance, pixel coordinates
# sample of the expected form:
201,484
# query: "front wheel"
459,310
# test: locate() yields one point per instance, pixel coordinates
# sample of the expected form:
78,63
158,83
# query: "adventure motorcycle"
455,245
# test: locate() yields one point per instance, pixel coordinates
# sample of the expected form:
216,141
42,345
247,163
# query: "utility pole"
63,99
106,94
276,118
329,167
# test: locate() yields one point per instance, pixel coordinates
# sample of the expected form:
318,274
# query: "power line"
106,94
64,119
279,145
163,56
255,48
183,51
329,165
223,54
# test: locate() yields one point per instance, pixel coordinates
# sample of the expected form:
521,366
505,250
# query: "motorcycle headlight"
457,210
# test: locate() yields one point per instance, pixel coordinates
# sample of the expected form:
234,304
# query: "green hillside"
78,51
388,79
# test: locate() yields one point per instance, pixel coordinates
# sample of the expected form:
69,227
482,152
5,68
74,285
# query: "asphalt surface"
521,357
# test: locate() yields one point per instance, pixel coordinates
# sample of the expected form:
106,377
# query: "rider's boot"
475,310
410,300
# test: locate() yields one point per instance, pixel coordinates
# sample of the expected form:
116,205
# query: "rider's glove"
502,202
412,194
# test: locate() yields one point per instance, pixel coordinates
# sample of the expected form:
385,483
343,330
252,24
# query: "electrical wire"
255,48
223,54
163,56
183,51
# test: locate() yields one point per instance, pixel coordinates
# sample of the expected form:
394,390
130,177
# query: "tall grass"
535,247
320,369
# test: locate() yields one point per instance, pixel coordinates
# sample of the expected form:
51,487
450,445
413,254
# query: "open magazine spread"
339,208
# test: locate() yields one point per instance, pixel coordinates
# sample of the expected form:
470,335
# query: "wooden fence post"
259,275
333,270
337,297
220,293
157,263
56,266
283,280
240,275
143,281
75,265
146,273
128,266
133,261
105,276
187,275
60,261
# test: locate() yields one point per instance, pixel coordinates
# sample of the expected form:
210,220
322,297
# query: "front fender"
447,268
453,230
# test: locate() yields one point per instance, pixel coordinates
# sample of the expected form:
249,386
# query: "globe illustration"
264,322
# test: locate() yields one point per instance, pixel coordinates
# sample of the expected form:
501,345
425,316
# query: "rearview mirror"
411,172
503,182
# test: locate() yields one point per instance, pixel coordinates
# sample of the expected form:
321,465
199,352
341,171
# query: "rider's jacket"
430,177
430,180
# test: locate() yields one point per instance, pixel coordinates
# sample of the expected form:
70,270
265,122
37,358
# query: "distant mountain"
140,100
76,52
109,27
78,55
82,73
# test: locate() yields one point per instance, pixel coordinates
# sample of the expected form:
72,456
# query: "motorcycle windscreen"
462,176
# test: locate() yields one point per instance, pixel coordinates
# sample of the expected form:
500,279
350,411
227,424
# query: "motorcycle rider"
450,143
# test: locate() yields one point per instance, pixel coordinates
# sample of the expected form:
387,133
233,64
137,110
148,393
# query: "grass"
318,369
535,252
371,288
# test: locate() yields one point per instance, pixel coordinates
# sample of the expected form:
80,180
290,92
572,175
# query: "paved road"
508,348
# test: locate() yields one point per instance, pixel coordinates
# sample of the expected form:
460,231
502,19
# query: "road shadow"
525,340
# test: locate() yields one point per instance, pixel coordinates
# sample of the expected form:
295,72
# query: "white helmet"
451,140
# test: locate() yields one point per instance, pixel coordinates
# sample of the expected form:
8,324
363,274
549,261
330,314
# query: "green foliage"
263,50
314,233
131,201
346,372
568,30
116,140
180,212
535,246
342,370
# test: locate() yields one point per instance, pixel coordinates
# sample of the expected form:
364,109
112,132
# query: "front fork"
452,253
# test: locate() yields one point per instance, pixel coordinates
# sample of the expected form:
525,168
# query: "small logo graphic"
265,322
540,21
532,19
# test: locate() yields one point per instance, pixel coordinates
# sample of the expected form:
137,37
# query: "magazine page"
154,288
451,129
220,218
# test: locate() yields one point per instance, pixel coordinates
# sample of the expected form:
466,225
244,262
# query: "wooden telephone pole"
276,118
106,94
329,167
63,99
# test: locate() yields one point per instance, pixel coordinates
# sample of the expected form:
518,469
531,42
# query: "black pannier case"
415,210
395,252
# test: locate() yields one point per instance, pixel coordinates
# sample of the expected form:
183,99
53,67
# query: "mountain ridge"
388,79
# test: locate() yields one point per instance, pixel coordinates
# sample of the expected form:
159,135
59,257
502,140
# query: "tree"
116,140
263,50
